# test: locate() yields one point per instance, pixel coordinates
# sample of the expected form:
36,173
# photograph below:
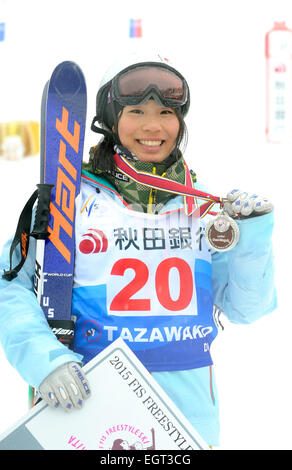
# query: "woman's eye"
167,111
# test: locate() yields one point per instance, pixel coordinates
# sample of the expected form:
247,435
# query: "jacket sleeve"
243,278
27,340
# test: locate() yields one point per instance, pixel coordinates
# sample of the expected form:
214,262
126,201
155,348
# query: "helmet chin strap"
105,132
97,129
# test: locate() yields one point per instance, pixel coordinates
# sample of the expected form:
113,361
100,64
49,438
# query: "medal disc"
222,233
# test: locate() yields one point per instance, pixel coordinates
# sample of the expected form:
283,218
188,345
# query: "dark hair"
101,156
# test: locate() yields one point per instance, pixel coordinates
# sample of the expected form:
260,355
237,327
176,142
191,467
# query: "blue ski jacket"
242,287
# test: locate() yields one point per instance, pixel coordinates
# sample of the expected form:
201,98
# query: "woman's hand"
66,386
245,204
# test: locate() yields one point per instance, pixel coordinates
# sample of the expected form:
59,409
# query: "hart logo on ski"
62,210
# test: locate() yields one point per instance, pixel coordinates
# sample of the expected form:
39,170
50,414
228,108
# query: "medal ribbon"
164,184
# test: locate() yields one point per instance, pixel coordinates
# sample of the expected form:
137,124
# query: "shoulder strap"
21,237
23,233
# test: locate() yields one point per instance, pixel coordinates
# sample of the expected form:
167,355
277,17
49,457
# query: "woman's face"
149,131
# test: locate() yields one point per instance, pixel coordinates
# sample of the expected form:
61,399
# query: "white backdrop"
219,46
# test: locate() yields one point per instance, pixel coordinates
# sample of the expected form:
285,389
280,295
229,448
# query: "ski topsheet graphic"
62,139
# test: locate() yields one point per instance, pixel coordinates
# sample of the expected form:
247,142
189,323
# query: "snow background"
220,47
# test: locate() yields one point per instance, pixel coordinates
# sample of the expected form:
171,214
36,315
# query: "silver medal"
222,232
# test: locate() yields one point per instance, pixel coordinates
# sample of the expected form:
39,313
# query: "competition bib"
144,277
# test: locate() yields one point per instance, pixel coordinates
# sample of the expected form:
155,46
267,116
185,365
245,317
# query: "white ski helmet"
153,77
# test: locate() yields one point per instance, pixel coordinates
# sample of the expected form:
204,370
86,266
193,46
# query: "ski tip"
68,79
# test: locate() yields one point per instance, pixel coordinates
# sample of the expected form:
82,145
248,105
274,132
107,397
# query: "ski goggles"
137,84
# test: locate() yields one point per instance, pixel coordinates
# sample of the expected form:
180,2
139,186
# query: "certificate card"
128,410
